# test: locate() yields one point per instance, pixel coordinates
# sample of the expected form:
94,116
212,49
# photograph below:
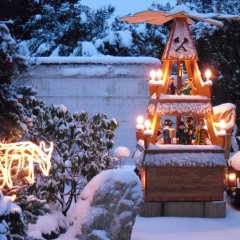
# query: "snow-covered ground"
176,228
183,228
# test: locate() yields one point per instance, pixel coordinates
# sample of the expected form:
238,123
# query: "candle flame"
147,124
159,74
222,124
140,120
152,75
208,74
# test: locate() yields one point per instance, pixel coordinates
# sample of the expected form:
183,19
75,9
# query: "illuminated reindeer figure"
23,155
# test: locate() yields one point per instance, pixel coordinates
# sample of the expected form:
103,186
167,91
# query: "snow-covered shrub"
122,153
12,225
82,149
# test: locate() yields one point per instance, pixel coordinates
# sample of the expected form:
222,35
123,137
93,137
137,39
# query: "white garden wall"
113,85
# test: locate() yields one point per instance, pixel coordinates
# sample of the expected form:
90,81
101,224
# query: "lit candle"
222,124
147,133
152,75
208,74
159,74
139,125
147,125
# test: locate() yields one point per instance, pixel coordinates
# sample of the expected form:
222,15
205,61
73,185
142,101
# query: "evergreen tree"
222,56
203,6
12,116
125,39
16,101
220,51
62,26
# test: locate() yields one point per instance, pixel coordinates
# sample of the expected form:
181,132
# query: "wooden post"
227,142
179,76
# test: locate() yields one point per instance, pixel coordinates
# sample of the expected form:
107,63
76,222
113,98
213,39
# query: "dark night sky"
8,8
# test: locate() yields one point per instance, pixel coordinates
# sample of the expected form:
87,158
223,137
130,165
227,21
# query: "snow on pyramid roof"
182,155
156,107
185,159
160,17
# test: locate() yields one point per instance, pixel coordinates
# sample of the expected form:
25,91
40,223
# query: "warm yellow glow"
208,74
13,198
222,124
23,156
147,124
159,74
143,178
232,176
152,75
140,120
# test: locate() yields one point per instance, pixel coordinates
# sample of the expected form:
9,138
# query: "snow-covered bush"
82,149
12,225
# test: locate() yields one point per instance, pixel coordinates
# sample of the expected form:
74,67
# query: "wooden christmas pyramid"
175,170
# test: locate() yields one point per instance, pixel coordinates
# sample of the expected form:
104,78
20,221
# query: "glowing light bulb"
140,120
152,75
208,74
147,124
232,176
159,74
222,124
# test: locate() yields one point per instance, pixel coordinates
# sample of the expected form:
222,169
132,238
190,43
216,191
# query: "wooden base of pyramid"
194,188
170,184
213,209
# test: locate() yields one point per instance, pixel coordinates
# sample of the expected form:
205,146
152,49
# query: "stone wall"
113,85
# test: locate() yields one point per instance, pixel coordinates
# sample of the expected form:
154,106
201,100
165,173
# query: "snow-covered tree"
13,119
60,28
123,39
82,149
220,50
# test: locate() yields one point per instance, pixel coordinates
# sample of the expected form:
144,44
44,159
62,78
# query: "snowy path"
173,228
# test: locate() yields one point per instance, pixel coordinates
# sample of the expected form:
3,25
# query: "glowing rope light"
23,155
